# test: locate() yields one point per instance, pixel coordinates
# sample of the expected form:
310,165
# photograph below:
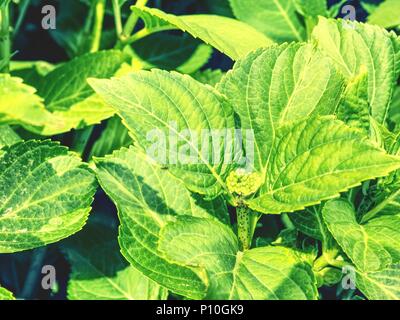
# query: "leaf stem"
246,224
132,21
287,222
117,17
100,6
329,259
5,42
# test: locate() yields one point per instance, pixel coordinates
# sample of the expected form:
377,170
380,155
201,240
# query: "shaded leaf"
45,195
232,37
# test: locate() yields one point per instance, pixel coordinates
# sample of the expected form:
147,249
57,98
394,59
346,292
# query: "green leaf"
171,52
386,15
5,294
89,111
45,195
210,248
19,104
231,37
354,46
277,19
210,77
32,72
314,160
354,106
387,198
380,285
69,97
146,198
114,137
141,100
272,86
310,223
311,8
66,85
371,246
99,271
8,137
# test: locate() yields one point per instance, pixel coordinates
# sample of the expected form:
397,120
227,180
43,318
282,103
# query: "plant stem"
21,15
287,222
100,6
142,34
5,43
117,17
328,259
246,223
132,21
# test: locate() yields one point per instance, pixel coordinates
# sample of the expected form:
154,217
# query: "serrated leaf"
8,136
66,85
6,295
45,195
380,285
272,86
386,15
232,37
353,46
210,248
277,19
99,271
314,160
371,246
69,97
19,103
146,198
114,137
191,106
171,52
354,106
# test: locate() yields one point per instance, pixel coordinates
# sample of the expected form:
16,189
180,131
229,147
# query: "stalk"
5,42
117,17
132,21
100,7
246,222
